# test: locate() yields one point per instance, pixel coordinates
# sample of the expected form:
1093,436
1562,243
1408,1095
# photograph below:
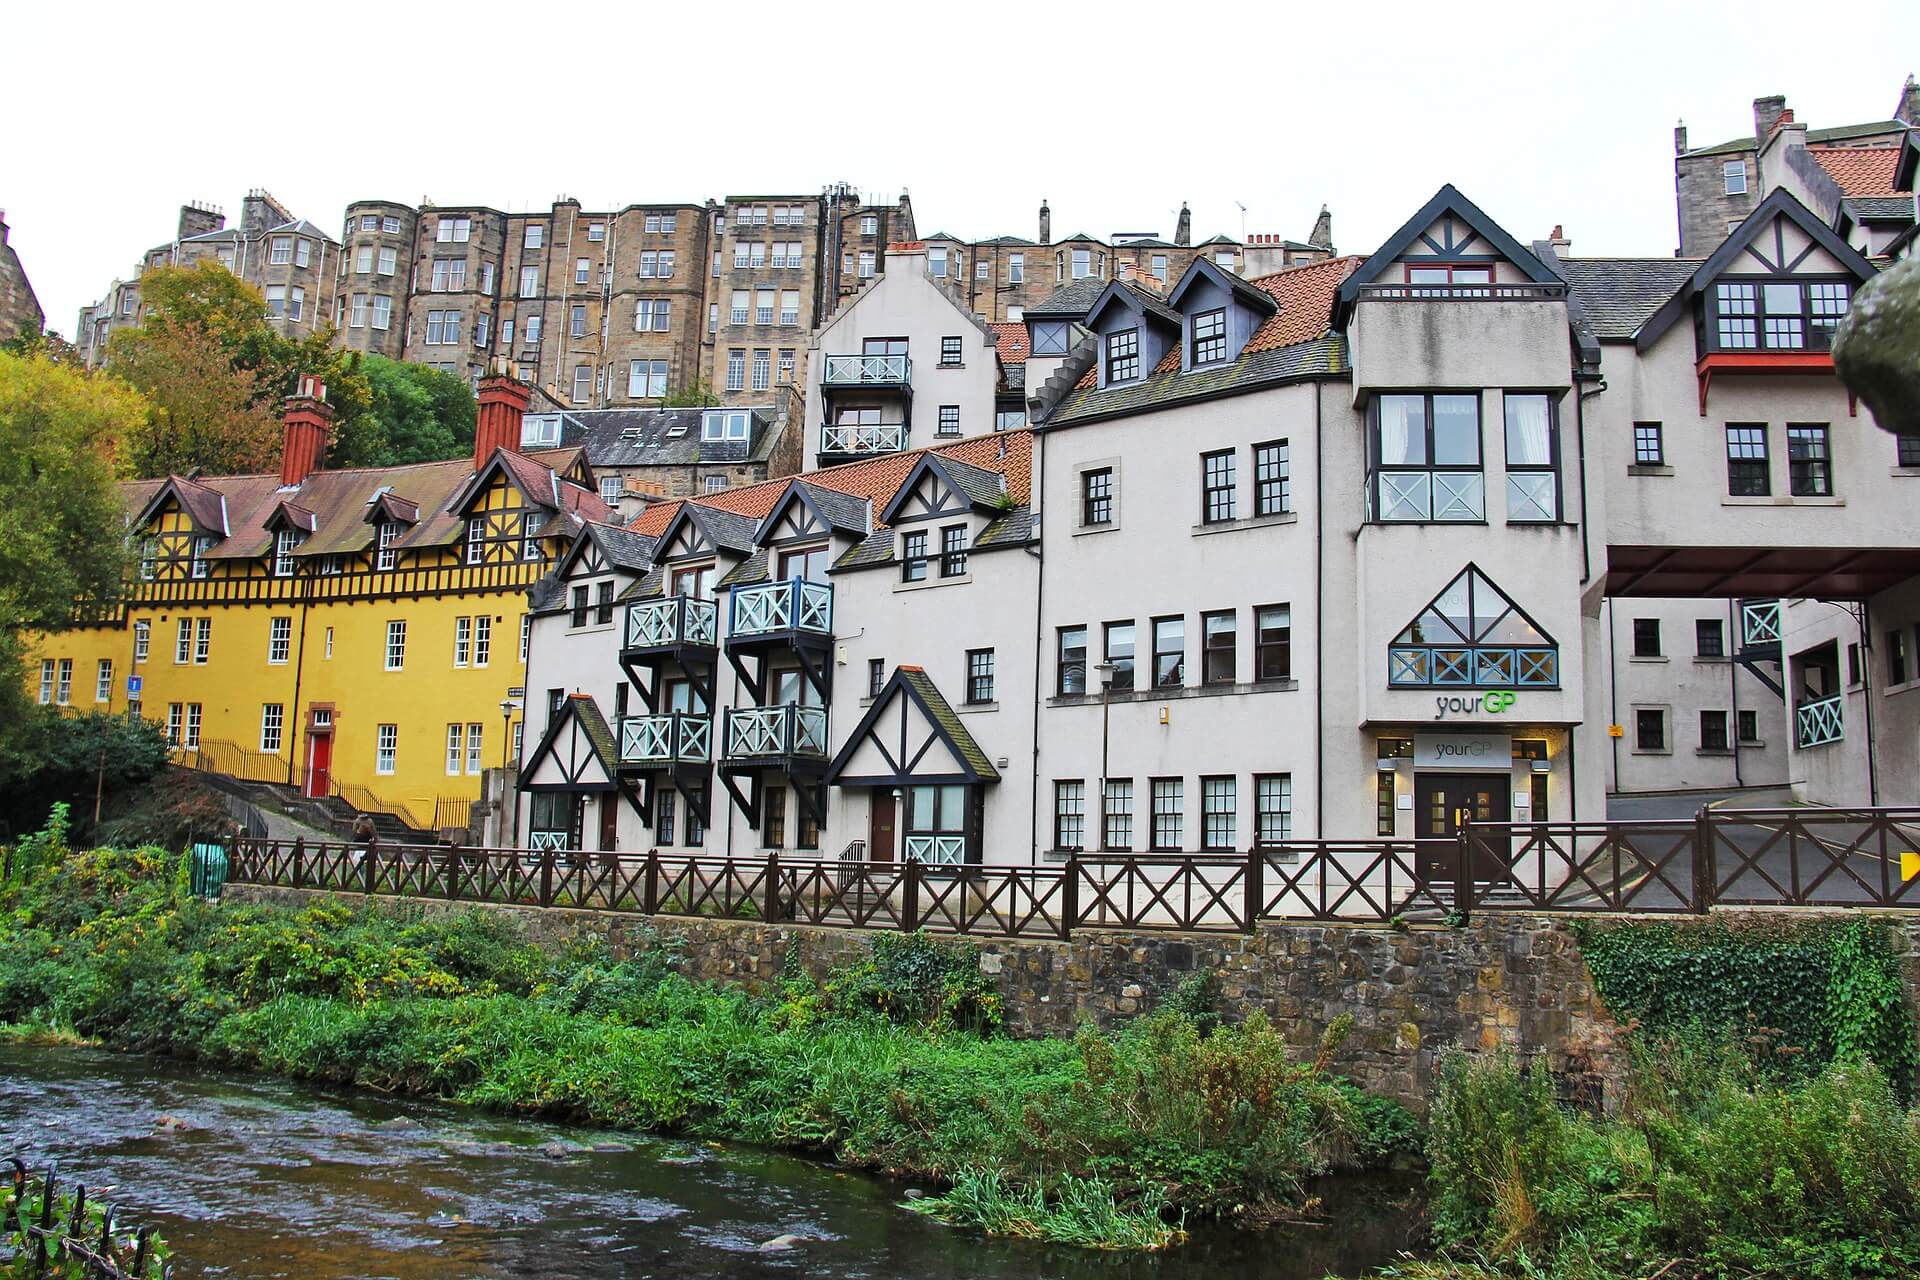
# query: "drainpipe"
1319,619
1038,551
1613,690
1733,688
1865,619
292,721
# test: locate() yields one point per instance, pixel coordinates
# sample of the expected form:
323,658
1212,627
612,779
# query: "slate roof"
749,571
1859,171
623,548
1613,297
1070,301
842,510
978,483
1881,208
948,723
1014,529
1838,133
618,438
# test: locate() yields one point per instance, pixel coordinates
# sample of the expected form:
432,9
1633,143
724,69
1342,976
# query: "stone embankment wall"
1505,981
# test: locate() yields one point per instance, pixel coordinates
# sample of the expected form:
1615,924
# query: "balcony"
668,626
776,735
1523,292
666,741
847,441
1818,723
866,371
795,611
1760,626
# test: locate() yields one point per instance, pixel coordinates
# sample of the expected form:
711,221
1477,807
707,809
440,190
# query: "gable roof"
1303,298
1125,294
1246,294
1613,297
1779,203
727,530
581,710
1447,200
204,505
1069,301
623,549
910,688
840,512
980,487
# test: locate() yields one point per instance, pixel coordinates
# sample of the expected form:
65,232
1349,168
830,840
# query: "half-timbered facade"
353,632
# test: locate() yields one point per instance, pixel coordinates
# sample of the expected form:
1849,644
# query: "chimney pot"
304,443
1046,222
1680,138
1183,229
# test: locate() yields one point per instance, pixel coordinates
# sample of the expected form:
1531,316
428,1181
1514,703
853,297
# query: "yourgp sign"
1477,752
1494,702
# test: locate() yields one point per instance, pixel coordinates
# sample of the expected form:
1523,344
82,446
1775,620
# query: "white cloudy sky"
1115,113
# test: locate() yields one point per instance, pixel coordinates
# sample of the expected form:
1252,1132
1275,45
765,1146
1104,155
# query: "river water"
251,1176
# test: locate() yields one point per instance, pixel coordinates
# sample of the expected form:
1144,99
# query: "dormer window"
201,545
1082,263
1123,355
284,541
718,426
476,539
386,558
1209,341
540,428
529,537
913,556
1475,278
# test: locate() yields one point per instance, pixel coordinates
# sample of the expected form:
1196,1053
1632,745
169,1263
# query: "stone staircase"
329,814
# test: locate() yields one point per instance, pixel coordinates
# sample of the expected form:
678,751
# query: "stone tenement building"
1717,186
19,308
293,263
617,308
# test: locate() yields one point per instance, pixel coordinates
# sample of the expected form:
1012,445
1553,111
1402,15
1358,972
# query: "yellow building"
351,632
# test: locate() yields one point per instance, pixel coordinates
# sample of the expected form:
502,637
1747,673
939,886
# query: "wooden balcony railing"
866,371
674,738
671,622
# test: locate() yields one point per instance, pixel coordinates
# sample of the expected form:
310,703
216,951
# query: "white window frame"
279,640
396,654
462,640
482,639
386,749
273,720
103,680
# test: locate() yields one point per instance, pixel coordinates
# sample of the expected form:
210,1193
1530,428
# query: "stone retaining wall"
1507,980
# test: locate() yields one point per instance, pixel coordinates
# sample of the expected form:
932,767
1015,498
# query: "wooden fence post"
1703,875
299,861
453,873
366,861
650,884
910,912
772,909
546,877
1070,896
1255,886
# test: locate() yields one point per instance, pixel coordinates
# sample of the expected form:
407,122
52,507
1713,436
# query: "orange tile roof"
1305,294
1859,171
1011,341
875,479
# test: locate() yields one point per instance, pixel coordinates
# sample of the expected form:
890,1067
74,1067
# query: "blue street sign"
133,686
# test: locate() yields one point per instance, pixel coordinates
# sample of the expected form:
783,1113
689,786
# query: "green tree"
62,541
414,414
55,755
697,394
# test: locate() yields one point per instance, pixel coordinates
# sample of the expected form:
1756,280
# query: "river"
252,1176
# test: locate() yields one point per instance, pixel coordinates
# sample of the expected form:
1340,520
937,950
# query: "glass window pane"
1529,438
1456,431
1782,299
1403,430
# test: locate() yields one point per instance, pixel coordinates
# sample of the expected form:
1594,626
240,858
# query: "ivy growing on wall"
1799,994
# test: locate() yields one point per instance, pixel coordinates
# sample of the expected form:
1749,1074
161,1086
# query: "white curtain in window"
1529,435
1403,437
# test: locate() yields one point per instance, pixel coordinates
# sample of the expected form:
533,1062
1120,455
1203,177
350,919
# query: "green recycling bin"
209,871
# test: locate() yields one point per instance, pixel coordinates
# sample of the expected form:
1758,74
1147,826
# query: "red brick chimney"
503,402
306,417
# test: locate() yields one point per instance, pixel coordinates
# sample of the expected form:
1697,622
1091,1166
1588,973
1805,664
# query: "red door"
880,832
319,763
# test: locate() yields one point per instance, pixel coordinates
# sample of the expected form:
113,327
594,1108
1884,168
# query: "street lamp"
507,707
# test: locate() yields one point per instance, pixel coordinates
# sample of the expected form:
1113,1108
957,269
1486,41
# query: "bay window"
1533,455
1426,458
